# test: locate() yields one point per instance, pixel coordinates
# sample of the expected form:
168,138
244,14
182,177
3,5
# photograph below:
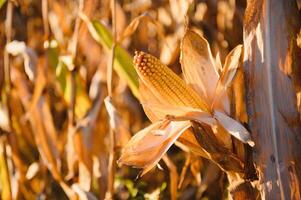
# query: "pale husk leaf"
221,99
198,65
234,128
146,95
153,141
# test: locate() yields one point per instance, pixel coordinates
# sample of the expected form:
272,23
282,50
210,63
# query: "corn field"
141,99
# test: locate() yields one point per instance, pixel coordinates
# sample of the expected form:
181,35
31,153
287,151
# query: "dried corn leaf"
45,145
40,83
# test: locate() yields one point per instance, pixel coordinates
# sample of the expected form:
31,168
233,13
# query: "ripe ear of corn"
164,82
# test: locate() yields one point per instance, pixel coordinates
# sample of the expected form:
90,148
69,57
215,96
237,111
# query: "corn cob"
166,83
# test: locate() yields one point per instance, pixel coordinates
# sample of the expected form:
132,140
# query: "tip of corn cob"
144,63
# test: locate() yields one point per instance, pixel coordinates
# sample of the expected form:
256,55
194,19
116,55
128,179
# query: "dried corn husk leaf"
146,95
198,65
153,141
239,96
231,65
221,99
187,142
234,128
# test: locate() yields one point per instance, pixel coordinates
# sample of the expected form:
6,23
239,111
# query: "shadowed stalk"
11,136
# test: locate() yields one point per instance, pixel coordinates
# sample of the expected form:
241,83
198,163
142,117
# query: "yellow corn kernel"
166,83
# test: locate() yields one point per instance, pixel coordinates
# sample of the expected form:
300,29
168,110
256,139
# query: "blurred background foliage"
53,72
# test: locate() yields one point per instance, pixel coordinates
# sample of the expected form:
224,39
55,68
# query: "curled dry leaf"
34,68
30,58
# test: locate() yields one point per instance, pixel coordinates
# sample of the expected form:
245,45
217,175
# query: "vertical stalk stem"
45,18
5,176
112,156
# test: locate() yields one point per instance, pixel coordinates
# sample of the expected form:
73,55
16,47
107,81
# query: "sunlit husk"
198,65
147,147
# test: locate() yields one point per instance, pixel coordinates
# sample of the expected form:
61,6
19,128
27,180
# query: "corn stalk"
272,69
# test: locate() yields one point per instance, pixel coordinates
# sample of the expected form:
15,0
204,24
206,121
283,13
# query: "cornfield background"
70,101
